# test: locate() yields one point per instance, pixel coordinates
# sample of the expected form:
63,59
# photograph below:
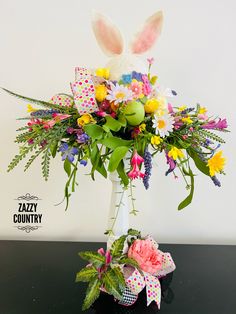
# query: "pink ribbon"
83,90
135,281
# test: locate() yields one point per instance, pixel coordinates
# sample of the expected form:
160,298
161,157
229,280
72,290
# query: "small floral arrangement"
133,263
107,122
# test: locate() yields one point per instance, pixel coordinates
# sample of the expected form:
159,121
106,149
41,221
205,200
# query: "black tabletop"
39,278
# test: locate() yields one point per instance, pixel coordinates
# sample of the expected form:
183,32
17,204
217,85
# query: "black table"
38,278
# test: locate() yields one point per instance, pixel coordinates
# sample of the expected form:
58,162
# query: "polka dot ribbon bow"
84,91
135,282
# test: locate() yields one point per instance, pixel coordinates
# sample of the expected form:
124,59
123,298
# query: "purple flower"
148,168
68,153
171,162
137,76
70,130
216,181
221,124
83,162
82,138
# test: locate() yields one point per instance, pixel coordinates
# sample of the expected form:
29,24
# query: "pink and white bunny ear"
147,36
107,34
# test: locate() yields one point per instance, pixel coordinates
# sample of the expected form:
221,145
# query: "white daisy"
163,124
119,93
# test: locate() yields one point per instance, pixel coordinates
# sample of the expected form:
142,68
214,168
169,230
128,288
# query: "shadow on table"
167,296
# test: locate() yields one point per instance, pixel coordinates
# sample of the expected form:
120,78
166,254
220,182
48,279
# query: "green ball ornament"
134,113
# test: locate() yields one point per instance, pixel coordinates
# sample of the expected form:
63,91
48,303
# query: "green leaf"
94,131
129,261
111,284
92,293
122,174
53,148
114,142
46,164
117,246
122,120
153,80
67,167
86,274
117,155
112,124
201,165
36,101
189,198
134,232
93,257
120,277
97,163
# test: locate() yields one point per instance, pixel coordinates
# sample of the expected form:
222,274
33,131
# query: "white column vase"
118,219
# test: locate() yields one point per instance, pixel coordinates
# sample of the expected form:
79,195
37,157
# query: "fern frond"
46,163
213,136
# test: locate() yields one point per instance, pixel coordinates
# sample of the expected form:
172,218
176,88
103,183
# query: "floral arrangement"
107,122
133,263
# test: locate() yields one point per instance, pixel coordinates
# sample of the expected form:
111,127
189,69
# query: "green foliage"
128,261
212,136
117,246
37,102
120,277
67,167
97,163
93,257
113,142
133,232
200,164
122,174
53,148
86,274
46,163
92,293
189,198
117,155
112,285
32,158
95,131
112,124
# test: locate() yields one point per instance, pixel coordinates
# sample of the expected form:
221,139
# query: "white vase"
118,219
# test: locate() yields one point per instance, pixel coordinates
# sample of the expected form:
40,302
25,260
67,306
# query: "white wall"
41,43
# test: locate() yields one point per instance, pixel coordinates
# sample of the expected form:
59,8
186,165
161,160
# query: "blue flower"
68,153
137,76
83,162
82,138
126,78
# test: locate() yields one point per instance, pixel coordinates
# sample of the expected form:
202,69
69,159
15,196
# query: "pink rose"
146,255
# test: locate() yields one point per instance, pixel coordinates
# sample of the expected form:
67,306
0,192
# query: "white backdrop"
41,43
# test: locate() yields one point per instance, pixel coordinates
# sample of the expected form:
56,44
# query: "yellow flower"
30,108
202,110
175,153
85,119
187,120
142,127
156,140
103,72
182,108
100,92
155,104
216,163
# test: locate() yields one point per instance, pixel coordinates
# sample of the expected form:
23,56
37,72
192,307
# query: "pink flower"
202,116
49,124
170,108
150,61
137,89
221,124
146,85
135,173
136,159
60,116
146,255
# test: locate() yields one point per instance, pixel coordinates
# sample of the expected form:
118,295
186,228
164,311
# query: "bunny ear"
107,34
146,38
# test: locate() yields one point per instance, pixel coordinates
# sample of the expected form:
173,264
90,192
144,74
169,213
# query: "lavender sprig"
148,168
